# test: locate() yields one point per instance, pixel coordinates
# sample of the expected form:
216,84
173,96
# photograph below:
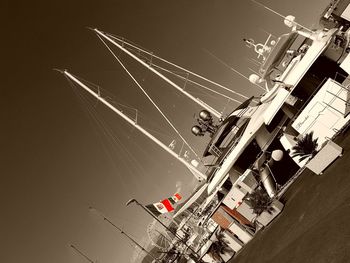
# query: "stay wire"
154,104
106,130
110,97
106,150
197,84
109,133
176,66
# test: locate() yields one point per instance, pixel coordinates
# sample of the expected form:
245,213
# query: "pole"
82,254
160,222
214,112
199,176
124,233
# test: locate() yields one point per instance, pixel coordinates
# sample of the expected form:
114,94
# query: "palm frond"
306,147
259,201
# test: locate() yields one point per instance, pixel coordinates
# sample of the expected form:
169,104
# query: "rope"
196,83
111,100
87,111
108,133
226,65
106,130
149,98
110,96
181,68
280,15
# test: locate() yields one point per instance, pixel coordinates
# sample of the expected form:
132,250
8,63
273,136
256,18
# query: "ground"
314,225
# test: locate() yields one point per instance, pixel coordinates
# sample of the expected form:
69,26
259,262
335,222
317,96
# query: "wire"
176,66
226,65
149,98
108,134
198,84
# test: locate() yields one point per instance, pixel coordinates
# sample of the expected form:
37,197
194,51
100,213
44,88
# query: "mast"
199,175
211,110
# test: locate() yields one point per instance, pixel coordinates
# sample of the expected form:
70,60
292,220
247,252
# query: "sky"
56,161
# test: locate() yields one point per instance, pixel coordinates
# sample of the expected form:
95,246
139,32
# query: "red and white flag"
164,206
175,198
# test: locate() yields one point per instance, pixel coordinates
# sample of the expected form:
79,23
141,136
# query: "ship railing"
338,77
308,100
337,96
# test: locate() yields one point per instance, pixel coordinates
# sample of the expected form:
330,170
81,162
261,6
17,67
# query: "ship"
305,75
295,68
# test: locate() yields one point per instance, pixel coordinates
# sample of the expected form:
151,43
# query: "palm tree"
259,201
305,147
219,246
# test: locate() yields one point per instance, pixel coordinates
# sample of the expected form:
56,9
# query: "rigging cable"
174,65
108,133
151,100
196,83
226,65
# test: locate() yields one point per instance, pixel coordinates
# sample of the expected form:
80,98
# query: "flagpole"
123,233
133,200
151,214
82,254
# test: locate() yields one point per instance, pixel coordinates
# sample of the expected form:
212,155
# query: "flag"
161,207
164,206
156,208
168,205
175,198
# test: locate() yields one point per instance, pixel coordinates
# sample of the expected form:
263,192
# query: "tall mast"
200,176
211,110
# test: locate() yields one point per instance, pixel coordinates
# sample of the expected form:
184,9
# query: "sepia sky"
56,161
